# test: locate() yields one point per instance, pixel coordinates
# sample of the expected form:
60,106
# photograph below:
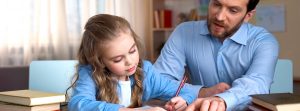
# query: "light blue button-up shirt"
154,86
246,60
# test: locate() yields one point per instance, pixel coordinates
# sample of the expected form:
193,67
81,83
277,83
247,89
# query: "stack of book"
29,100
275,102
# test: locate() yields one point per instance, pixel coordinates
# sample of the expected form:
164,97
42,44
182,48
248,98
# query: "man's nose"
221,15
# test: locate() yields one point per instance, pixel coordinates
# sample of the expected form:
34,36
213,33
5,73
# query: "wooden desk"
254,107
155,102
63,107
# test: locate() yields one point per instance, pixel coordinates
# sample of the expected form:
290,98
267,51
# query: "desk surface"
151,103
63,107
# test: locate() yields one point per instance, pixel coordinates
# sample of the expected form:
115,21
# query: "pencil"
172,108
181,85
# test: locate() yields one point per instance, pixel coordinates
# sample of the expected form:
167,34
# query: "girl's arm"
164,88
84,95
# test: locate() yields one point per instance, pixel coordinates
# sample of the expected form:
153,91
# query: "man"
228,58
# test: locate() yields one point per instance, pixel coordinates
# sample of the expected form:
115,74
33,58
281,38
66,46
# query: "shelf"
160,16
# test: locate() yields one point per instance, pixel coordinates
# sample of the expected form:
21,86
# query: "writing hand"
207,104
211,91
176,104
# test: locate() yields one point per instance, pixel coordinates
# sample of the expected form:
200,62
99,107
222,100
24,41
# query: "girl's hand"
176,104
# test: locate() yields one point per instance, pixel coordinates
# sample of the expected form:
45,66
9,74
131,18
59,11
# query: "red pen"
178,90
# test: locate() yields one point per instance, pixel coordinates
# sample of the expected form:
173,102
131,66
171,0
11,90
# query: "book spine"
167,19
156,19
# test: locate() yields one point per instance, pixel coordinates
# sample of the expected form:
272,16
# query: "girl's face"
121,56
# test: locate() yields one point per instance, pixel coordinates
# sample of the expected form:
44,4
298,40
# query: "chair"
56,75
51,75
283,77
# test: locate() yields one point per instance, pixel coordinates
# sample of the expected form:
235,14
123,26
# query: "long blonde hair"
98,30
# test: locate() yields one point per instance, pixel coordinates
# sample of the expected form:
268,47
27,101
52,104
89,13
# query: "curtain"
137,13
34,30
51,29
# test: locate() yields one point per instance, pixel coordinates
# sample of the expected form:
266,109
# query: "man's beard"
227,33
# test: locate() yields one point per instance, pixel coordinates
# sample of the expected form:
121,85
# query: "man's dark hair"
251,5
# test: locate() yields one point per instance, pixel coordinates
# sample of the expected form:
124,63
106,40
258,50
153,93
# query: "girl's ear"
102,63
249,15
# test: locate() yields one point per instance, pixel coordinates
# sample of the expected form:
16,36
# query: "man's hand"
207,104
211,91
176,104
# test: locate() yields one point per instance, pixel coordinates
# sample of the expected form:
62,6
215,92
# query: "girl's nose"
128,61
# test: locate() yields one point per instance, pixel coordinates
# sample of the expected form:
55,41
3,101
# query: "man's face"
226,16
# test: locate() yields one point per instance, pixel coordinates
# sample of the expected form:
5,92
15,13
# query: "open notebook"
51,75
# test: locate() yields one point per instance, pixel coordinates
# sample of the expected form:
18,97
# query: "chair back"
283,77
51,75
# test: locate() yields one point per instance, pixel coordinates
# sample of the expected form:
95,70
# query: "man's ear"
249,15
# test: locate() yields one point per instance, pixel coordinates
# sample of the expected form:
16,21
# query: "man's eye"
233,11
216,4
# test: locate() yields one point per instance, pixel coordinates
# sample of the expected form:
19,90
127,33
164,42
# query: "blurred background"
51,29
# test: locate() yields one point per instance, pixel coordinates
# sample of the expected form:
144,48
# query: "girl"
110,74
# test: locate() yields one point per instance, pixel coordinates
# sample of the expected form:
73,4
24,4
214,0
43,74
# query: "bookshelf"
165,15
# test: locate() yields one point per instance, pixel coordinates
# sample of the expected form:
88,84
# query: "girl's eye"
132,51
117,60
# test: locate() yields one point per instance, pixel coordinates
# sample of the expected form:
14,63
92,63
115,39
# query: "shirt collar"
240,36
204,28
